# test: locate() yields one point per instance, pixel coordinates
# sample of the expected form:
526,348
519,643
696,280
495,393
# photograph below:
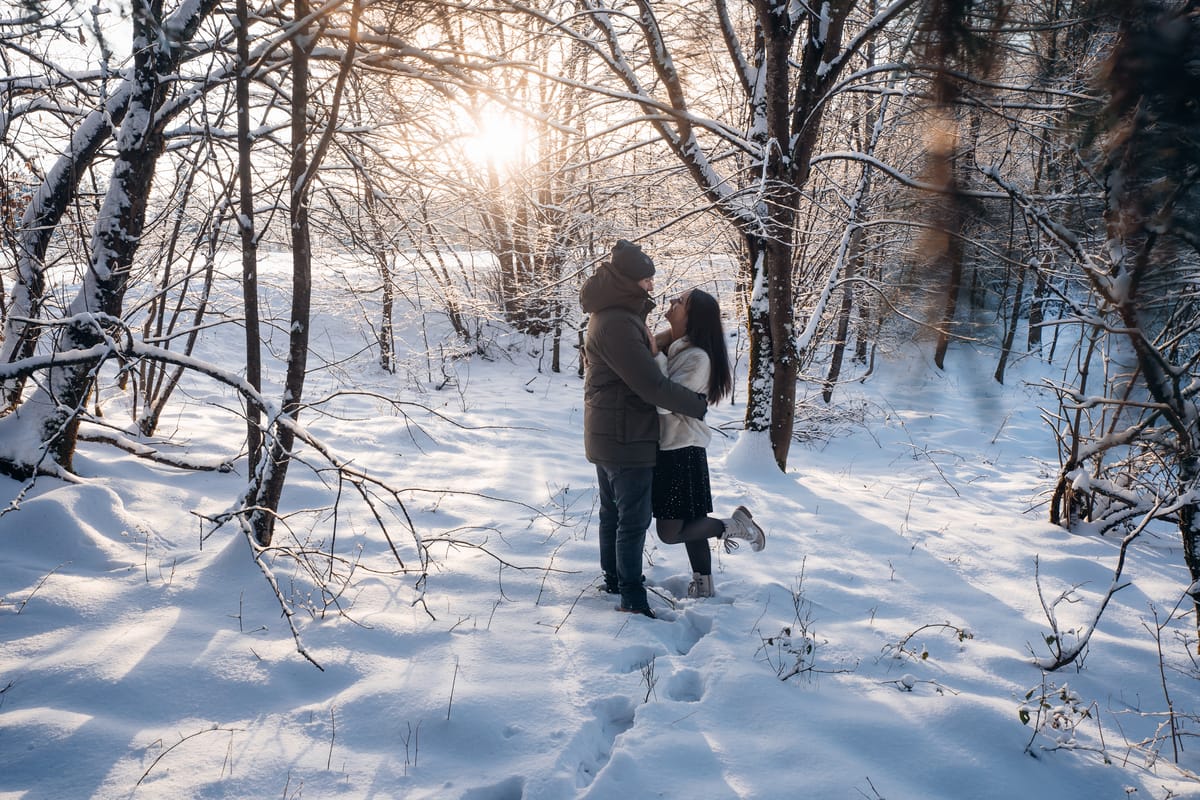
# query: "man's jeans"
625,512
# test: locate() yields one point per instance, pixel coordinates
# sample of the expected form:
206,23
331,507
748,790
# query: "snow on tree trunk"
41,218
51,412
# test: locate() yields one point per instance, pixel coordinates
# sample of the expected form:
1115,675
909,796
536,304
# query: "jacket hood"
607,288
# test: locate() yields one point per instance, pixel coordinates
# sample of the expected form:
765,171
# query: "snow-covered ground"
882,646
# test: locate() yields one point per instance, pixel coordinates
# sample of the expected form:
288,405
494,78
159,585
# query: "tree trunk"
1014,318
784,359
1189,525
266,492
774,363
949,262
758,329
249,241
853,265
556,340
953,269
1010,332
1037,311
276,467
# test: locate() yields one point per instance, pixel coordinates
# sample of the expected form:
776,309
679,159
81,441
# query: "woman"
695,357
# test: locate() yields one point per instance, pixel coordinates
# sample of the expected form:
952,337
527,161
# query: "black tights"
694,535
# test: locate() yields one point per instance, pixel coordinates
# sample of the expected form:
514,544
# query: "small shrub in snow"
792,651
905,648
1055,712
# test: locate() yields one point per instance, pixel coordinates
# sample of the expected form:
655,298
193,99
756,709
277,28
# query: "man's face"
647,284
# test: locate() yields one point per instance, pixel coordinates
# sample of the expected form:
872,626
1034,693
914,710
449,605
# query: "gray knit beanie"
629,260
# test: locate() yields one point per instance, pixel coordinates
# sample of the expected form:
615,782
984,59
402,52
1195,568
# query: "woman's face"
677,311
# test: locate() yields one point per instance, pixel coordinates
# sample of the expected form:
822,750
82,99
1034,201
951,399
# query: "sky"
883,645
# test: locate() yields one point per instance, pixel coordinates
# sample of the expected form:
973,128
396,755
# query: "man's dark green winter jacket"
623,385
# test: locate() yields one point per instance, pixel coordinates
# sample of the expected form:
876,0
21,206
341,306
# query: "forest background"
848,176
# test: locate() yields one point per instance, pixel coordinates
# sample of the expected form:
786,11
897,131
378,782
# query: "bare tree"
1132,446
53,410
751,157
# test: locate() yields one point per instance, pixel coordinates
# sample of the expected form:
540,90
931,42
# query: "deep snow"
144,654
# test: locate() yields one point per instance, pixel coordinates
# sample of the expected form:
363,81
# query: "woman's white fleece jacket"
689,366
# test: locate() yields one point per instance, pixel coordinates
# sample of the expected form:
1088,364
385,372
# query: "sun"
499,139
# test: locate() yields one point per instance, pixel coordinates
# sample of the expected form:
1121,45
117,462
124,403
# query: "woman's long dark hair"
705,331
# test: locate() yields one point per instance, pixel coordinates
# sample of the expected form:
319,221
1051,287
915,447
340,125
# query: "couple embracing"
643,424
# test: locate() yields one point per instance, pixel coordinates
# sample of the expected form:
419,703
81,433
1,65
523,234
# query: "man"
622,387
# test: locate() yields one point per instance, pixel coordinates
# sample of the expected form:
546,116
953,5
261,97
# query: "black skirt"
681,489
